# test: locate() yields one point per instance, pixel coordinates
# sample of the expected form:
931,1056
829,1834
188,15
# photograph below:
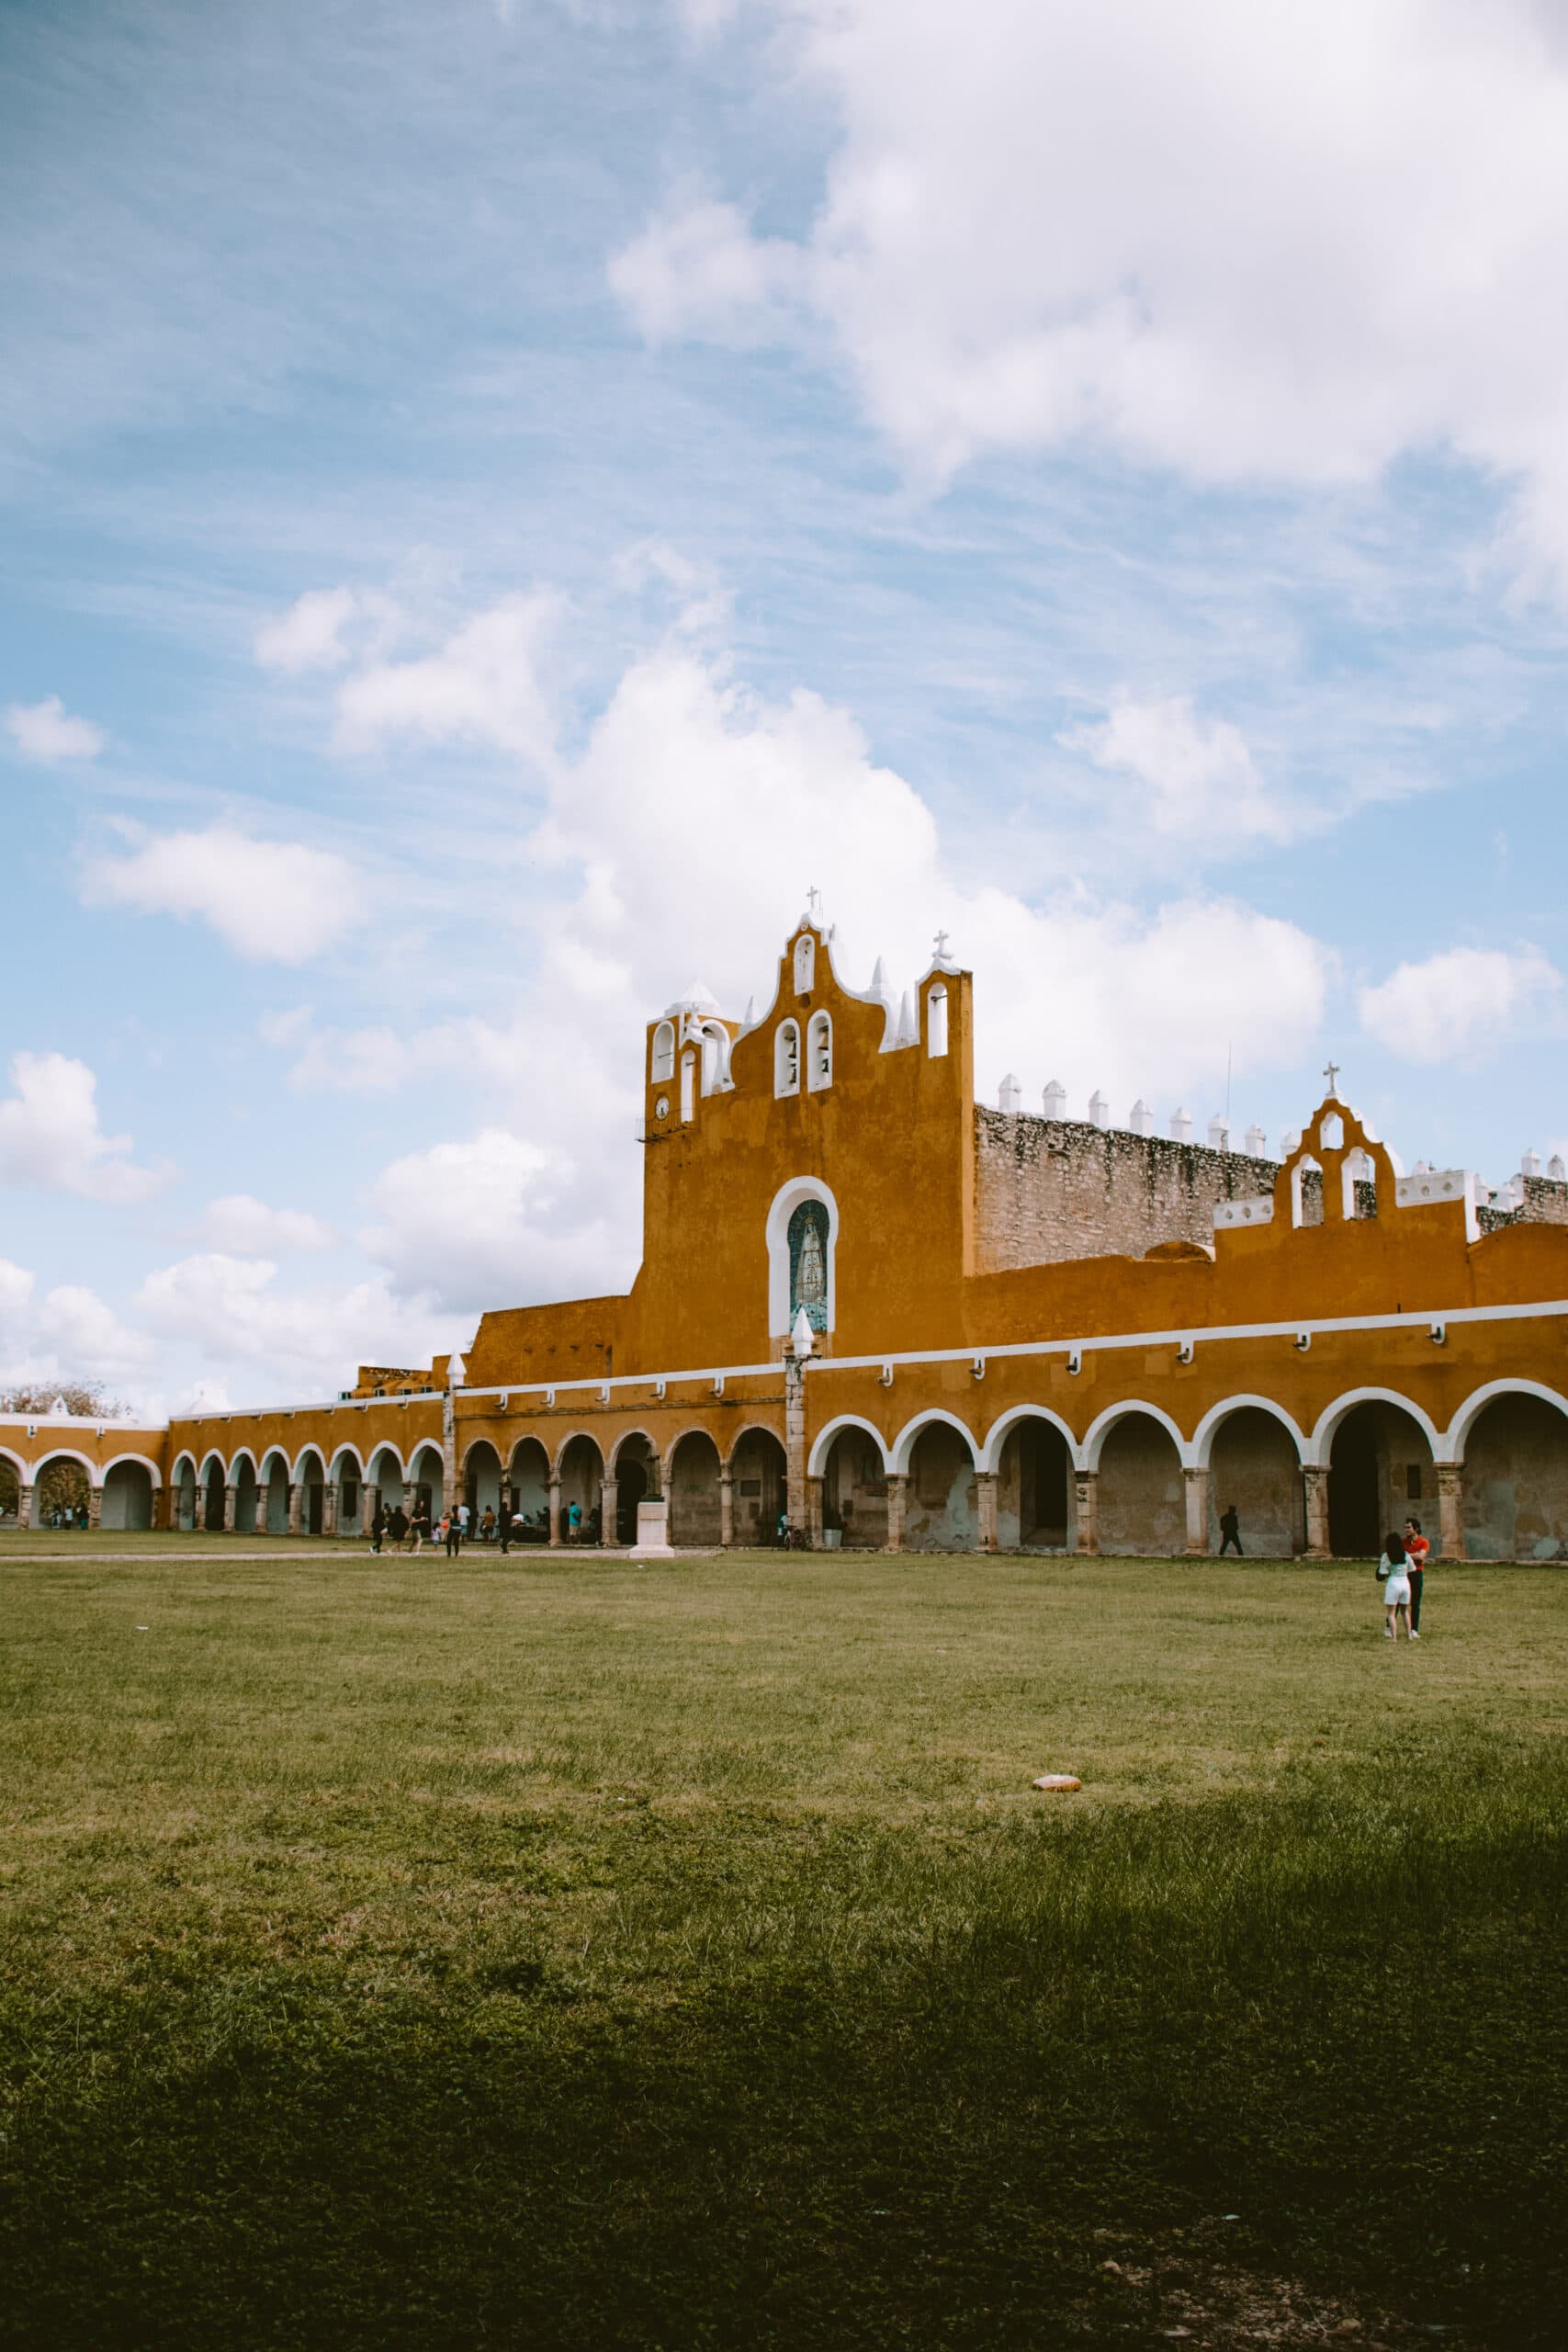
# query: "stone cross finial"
814,903
941,945
1332,1075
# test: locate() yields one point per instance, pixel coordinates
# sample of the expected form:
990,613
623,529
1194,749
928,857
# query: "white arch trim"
1208,1429
274,1453
64,1453
207,1459
244,1454
1320,1445
692,1429
185,1460
387,1447
902,1445
17,1463
1099,1429
1456,1436
472,1448
143,1460
753,1429
570,1439
620,1442
299,1460
786,1199
997,1437
346,1453
817,1461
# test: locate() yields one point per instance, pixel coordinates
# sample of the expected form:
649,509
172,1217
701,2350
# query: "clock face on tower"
661,1108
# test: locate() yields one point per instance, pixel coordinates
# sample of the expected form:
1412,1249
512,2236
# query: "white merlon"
1219,1134
1257,1141
1531,1164
1056,1100
1010,1094
1140,1118
1098,1109
1181,1126
1426,1185
1555,1169
909,1032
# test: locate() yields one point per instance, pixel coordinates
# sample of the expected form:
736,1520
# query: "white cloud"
278,901
49,1135
1461,1003
68,1335
303,1343
46,731
246,1227
1194,781
481,686
492,1221
1291,241
309,636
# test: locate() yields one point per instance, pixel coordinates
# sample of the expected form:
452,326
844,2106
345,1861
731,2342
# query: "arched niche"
941,1500
1255,1465
1142,1504
1380,1467
693,1491
1515,1480
758,1473
854,1490
1035,1510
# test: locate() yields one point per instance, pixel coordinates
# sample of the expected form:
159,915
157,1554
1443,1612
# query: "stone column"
367,1494
296,1497
1315,1479
986,1501
609,1504
898,1493
24,1505
232,1510
1086,1486
1197,1485
796,1502
1451,1510
725,1510
329,1508
95,1507
814,1513
555,1514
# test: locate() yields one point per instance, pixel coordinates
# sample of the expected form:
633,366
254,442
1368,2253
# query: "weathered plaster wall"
854,1491
941,1512
1515,1489
1254,1464
1142,1504
1047,1188
693,1492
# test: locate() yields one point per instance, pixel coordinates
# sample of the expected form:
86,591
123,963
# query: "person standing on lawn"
1416,1548
1394,1571
419,1525
453,1525
377,1524
398,1526
1230,1532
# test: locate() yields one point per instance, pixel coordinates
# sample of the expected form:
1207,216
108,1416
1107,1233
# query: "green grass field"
400,1953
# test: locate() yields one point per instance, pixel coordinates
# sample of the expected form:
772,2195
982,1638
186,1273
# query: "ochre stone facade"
874,1312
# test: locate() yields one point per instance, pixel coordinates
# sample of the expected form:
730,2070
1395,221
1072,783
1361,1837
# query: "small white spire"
1098,1109
879,980
1140,1118
800,1334
1219,1134
750,1020
1010,1094
1257,1141
1531,1164
1555,1169
1181,1126
909,1035
1056,1100
456,1371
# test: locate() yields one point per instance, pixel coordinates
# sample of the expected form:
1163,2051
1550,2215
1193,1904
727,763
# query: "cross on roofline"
940,944
814,902
1332,1075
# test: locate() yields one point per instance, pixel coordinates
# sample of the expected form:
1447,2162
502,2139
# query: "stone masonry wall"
1047,1188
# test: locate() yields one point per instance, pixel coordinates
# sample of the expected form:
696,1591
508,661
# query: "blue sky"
499,499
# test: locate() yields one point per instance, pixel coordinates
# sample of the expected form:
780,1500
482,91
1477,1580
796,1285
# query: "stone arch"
273,1482
1515,1490
758,1484
579,1466
310,1477
1033,1454
1377,1446
636,1474
242,1479
855,1488
1317,1447
942,1499
1140,1502
183,1491
1104,1424
817,1458
785,1201
14,1476
480,1482
129,1485
427,1477
347,1481
1252,1450
528,1480
691,1481
214,1482
1449,1447
71,1485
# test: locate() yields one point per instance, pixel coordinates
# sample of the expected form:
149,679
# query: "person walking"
398,1526
503,1525
462,1521
1416,1549
419,1525
453,1525
487,1525
377,1524
1394,1571
1230,1532
573,1521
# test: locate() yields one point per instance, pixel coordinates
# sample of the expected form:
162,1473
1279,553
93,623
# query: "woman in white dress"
1394,1571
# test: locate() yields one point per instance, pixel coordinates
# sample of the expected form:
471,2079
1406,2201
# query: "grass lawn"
405,1953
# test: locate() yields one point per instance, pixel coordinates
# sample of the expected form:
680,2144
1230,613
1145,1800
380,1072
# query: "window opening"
808,1264
688,1085
819,1053
787,1058
664,1054
936,1022
805,963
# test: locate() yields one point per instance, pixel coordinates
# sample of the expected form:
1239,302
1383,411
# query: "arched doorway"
854,1492
581,1482
185,1496
1516,1482
1035,1488
1380,1467
128,1496
386,1479
941,1510
757,1478
214,1499
348,1491
427,1481
530,1485
11,1474
59,1493
481,1481
272,1495
636,1474
1141,1498
1254,1466
312,1478
694,1516
247,1495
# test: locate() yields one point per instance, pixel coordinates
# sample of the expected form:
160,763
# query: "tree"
87,1399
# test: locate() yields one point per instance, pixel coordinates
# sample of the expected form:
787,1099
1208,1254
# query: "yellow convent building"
892,1317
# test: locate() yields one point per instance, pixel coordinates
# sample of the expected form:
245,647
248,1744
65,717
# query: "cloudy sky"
501,497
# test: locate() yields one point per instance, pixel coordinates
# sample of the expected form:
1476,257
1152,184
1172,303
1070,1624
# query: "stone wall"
1047,1188
1545,1203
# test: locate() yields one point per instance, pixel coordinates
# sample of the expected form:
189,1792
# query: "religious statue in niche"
808,1264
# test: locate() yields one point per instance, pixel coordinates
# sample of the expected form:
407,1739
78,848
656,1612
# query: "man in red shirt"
1415,1550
